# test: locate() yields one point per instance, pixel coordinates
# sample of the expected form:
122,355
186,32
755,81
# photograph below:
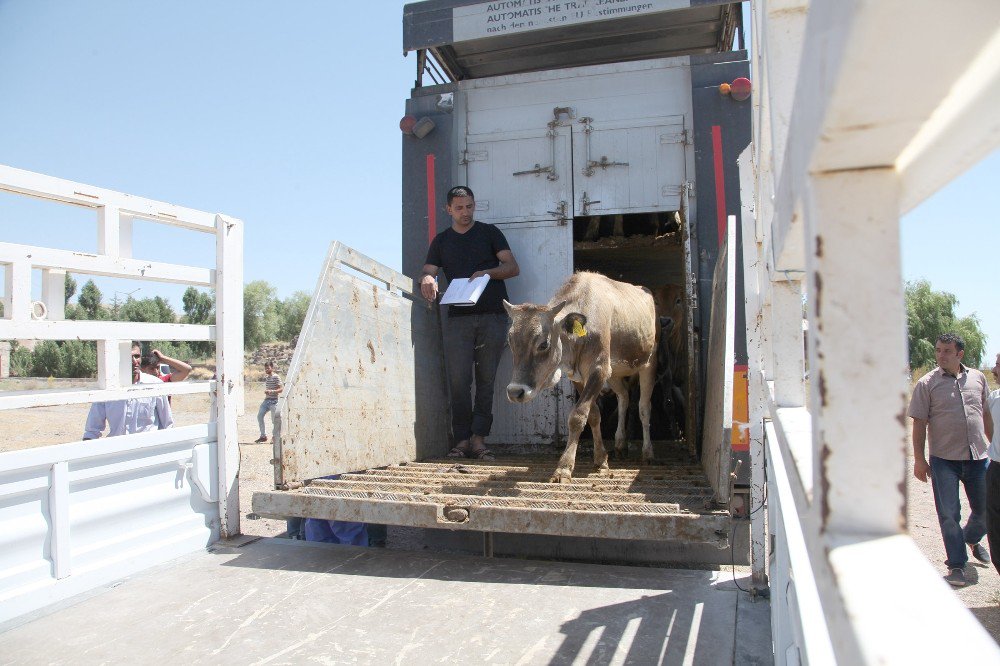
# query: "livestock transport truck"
600,143
597,136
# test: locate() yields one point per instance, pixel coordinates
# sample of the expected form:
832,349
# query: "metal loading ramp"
650,502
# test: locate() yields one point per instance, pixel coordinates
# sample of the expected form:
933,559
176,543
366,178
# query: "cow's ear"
555,309
575,324
508,307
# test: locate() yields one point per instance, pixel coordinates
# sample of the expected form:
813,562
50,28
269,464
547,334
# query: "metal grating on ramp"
631,501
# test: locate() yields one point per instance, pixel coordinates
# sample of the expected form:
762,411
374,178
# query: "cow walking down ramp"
595,330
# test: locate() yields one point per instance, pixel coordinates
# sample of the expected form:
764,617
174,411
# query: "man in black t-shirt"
474,335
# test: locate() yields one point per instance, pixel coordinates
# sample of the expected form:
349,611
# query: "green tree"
21,360
90,300
48,360
154,309
69,287
79,358
199,306
292,312
931,313
260,314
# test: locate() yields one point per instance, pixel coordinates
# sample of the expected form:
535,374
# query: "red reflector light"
406,124
741,88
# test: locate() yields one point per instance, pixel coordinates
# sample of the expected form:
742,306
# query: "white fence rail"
76,515
861,110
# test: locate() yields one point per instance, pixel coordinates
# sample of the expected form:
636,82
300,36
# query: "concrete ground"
284,602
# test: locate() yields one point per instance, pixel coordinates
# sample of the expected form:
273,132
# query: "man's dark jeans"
473,345
993,509
945,476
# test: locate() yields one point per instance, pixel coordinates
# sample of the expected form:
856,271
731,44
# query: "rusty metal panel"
366,383
717,434
669,502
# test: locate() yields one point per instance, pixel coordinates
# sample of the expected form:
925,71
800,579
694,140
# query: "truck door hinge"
473,156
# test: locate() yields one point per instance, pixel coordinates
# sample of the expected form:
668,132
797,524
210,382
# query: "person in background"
179,370
124,417
272,389
151,366
950,401
993,473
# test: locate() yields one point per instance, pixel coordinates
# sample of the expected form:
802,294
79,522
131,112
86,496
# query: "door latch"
603,163
537,171
561,213
585,203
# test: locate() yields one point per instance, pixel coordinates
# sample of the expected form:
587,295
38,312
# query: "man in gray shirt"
950,401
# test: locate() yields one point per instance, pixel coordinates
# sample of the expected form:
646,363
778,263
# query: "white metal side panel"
366,385
521,176
619,91
628,166
78,515
717,434
544,251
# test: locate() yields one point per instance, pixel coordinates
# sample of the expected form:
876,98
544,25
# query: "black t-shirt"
461,255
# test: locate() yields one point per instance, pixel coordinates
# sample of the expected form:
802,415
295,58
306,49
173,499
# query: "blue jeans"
473,345
945,477
269,405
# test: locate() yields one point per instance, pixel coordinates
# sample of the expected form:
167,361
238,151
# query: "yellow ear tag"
578,329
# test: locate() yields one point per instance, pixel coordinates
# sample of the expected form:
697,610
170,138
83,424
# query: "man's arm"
164,416
180,369
920,466
428,283
508,267
988,424
95,421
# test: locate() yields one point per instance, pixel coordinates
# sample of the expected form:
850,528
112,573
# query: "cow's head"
537,339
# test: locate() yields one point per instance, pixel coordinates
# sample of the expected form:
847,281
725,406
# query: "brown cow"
595,330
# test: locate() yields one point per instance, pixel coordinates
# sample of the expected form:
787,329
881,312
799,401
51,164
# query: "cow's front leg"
647,378
600,453
617,385
577,419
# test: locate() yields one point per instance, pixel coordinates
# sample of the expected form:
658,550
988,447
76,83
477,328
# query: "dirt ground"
26,428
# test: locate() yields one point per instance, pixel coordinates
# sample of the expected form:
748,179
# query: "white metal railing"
856,121
76,515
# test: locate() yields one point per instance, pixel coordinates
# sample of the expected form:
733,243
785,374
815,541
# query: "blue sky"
286,116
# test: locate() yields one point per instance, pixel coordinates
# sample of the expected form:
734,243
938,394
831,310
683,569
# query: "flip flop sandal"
458,453
481,454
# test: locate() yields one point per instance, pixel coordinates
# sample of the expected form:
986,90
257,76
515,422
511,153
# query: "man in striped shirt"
272,389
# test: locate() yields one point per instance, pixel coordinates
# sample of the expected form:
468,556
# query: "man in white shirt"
124,417
993,474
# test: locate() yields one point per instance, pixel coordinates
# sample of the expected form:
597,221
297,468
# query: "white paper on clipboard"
465,291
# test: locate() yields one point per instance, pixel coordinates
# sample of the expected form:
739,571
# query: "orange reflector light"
724,88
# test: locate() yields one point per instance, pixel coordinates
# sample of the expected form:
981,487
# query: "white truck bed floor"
280,602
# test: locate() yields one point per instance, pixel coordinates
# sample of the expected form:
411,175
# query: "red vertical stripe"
431,197
720,182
